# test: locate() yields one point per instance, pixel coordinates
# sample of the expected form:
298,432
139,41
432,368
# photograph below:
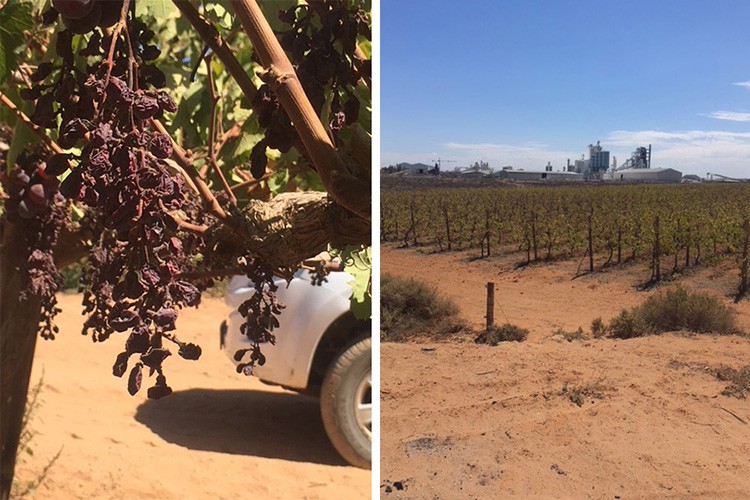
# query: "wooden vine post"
591,240
744,260
447,226
490,304
656,256
487,230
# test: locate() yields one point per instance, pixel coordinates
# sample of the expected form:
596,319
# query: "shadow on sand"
242,422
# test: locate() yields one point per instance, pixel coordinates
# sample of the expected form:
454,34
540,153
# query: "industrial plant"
637,168
599,166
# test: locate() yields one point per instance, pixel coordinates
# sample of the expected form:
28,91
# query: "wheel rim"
363,405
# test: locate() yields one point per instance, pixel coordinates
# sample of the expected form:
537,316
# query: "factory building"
599,166
666,175
509,173
593,167
637,168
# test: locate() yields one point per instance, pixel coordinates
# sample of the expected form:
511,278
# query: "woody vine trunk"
19,320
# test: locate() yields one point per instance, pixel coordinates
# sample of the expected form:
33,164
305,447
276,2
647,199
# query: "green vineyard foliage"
696,222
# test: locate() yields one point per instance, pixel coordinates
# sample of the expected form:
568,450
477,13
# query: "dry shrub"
570,336
599,328
409,307
677,309
628,325
578,393
739,381
504,333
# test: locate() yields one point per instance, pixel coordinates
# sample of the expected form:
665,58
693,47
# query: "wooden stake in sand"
490,304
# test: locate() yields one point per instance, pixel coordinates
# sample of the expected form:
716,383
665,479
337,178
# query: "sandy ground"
219,435
473,421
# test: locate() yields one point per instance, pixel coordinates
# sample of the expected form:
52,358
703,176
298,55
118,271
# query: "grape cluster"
132,281
35,205
260,312
31,189
321,43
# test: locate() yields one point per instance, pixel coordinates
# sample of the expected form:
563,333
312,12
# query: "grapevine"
158,221
696,223
110,113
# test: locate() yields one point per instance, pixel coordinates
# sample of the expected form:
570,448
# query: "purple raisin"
161,146
145,106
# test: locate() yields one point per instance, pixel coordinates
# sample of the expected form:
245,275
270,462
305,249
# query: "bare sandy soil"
219,435
464,420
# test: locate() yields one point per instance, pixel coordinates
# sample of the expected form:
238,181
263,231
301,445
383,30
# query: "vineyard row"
606,224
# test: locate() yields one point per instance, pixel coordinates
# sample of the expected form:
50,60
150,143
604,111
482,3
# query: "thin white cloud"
395,157
529,156
743,84
636,138
731,116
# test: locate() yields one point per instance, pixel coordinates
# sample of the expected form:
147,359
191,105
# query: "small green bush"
408,306
504,333
71,276
679,309
599,328
676,309
628,325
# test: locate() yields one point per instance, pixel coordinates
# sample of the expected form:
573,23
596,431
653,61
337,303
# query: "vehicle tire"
346,403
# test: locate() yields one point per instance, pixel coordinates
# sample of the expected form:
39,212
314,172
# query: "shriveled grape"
19,178
37,195
24,210
83,25
110,13
73,9
145,106
57,164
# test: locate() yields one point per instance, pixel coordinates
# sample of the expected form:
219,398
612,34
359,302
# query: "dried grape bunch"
319,275
260,312
133,279
321,44
35,205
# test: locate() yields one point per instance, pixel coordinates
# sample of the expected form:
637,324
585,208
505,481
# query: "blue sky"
524,83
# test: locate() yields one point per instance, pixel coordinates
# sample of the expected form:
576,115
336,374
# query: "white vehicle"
321,350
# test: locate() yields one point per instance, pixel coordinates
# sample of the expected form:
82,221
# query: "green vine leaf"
15,18
277,182
219,16
239,150
158,9
358,262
